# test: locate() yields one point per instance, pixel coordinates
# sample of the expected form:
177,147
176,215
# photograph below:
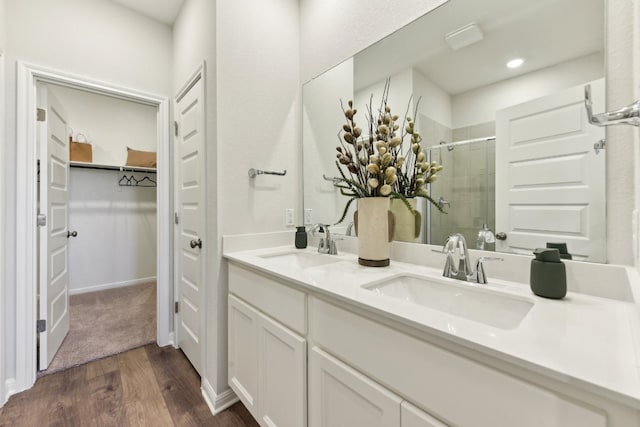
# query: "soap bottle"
548,274
301,237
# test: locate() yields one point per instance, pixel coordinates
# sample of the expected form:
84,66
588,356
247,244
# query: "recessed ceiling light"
515,63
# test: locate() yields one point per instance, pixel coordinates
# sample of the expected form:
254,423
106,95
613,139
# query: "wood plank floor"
148,386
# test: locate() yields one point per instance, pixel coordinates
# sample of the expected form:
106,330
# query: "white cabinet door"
413,417
243,353
267,367
282,376
342,397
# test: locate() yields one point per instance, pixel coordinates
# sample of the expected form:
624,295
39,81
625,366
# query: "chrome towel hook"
333,179
629,115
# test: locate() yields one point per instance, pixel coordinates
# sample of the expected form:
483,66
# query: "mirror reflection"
500,84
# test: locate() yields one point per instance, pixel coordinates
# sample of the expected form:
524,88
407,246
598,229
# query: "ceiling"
543,32
165,11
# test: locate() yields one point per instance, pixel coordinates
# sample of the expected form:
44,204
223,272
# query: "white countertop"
585,341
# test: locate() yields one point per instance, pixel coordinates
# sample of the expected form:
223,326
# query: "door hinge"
176,307
176,218
42,220
175,128
41,114
41,326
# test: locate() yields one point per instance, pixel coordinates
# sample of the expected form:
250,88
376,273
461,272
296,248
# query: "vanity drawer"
277,300
451,387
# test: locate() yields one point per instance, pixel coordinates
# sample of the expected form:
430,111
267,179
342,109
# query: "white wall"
635,85
334,30
258,112
435,102
116,242
3,24
2,205
480,105
97,39
110,124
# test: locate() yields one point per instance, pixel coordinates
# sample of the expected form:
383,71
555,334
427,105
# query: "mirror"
517,152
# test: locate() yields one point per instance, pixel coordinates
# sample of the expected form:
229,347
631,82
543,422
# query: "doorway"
98,240
29,76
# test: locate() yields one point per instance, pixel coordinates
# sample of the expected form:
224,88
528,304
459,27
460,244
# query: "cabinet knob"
196,243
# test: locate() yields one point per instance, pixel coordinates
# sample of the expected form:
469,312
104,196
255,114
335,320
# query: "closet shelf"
111,167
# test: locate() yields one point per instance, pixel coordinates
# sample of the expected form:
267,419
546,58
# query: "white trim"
9,388
3,161
112,285
26,304
217,402
25,230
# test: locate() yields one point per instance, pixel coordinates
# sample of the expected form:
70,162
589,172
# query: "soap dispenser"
548,274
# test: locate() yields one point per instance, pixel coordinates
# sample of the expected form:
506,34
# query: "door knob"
196,243
501,235
72,234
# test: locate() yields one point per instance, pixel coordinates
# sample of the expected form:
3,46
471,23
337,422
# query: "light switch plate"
308,217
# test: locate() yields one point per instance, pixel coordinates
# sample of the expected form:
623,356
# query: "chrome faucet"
327,245
457,242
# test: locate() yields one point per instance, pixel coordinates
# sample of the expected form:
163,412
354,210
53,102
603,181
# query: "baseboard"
217,402
112,285
9,390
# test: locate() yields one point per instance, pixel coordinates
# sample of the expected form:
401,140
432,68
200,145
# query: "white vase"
374,225
408,225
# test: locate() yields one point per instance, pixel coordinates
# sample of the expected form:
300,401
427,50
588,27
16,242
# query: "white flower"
385,190
373,168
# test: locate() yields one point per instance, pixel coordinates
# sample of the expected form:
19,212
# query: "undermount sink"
464,300
301,259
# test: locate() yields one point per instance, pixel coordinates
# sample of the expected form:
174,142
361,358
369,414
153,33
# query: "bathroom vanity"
318,340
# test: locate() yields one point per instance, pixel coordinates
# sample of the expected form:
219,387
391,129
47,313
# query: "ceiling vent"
463,37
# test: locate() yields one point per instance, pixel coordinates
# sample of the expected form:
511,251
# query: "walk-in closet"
111,234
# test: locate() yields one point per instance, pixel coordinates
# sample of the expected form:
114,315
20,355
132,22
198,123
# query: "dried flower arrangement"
379,164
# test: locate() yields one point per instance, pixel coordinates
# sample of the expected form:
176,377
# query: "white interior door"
190,248
549,180
54,239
